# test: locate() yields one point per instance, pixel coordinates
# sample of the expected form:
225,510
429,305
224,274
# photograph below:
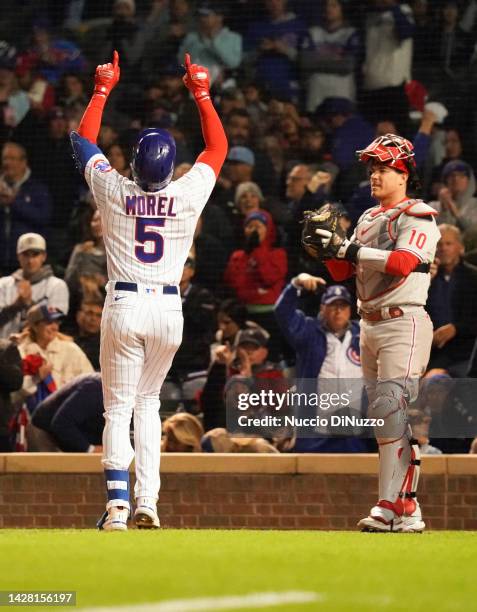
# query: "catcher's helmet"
153,159
392,150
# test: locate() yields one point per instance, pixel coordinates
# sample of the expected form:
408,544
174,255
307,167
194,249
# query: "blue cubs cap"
457,165
242,155
335,293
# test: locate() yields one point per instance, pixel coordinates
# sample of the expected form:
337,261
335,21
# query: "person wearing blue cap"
327,347
457,204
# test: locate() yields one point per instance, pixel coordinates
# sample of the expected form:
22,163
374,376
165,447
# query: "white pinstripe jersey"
147,236
408,226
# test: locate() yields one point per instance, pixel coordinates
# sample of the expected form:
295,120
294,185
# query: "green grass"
432,572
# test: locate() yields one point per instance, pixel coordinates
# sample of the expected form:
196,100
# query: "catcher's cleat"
383,520
380,520
114,519
413,523
145,516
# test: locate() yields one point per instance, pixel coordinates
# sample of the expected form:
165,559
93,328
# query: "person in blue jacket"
327,347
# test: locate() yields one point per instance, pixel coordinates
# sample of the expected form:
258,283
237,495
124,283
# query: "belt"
383,314
166,289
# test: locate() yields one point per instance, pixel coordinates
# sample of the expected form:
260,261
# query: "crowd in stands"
300,85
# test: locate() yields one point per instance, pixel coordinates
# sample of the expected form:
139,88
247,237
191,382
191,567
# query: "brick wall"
234,491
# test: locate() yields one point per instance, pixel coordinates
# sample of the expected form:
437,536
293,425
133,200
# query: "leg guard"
399,456
117,486
399,468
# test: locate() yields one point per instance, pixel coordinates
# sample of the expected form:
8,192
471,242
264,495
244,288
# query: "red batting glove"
106,76
196,79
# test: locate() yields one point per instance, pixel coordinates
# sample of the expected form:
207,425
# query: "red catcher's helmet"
392,150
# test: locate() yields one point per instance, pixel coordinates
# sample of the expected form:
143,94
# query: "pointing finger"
115,59
187,62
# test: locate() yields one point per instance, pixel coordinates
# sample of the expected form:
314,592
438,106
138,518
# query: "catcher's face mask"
392,150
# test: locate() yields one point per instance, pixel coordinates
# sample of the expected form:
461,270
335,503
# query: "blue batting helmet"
153,159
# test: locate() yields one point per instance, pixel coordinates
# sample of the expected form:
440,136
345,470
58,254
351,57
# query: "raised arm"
105,79
84,141
196,79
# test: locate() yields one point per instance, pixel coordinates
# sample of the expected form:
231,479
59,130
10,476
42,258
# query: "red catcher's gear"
400,263
391,150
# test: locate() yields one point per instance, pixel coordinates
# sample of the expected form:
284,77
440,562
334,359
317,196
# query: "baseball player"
148,226
390,252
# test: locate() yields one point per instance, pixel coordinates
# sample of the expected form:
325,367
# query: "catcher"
390,252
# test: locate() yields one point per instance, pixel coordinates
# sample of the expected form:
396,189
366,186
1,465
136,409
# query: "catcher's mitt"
322,235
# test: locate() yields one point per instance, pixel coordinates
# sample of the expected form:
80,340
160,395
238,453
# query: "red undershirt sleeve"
214,136
401,263
339,269
91,121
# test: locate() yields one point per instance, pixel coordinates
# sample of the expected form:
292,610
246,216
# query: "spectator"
452,150
87,333
41,93
304,191
250,371
33,283
389,30
168,37
86,273
314,146
53,164
128,35
210,257
14,102
72,418
50,358
181,433
198,307
25,204
451,52
257,274
213,45
232,320
330,62
349,131
242,132
238,168
119,160
219,440
245,361
73,97
424,39
420,424
232,316
272,48
249,198
452,304
11,379
457,204
327,349
451,410
50,56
